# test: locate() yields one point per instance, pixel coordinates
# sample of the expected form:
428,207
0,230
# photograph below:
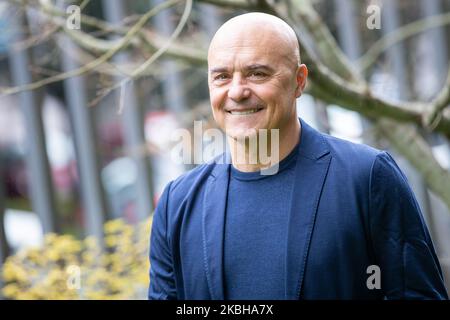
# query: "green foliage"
67,268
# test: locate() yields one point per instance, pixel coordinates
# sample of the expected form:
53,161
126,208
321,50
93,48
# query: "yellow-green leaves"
68,268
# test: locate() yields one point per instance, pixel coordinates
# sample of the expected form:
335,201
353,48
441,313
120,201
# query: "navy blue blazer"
351,208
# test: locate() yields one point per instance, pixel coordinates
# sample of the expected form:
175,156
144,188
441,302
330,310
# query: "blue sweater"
254,247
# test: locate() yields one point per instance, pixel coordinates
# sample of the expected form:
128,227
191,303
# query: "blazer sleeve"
402,245
162,280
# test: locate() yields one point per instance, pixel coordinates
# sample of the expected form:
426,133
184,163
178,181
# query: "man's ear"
302,74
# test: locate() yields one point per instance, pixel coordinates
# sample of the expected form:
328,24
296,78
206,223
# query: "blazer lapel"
213,224
311,170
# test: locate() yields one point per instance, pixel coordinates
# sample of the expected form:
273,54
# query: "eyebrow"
247,68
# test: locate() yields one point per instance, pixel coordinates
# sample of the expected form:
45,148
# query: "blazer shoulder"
351,152
354,160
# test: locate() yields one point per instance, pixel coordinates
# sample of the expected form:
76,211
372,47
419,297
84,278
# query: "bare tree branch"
401,34
437,106
327,47
162,49
230,4
93,64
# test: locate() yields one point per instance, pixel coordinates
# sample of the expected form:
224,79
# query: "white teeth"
240,113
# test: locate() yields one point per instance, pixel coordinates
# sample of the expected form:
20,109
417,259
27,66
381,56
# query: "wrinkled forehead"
250,51
252,41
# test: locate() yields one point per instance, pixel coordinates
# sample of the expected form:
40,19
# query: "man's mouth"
244,112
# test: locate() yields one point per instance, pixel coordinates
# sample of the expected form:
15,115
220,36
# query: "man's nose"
238,91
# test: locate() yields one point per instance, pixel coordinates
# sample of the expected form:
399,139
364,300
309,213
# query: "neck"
261,151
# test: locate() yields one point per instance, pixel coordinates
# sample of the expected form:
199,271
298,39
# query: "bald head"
257,28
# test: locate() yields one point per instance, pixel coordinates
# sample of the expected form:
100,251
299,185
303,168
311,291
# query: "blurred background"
92,91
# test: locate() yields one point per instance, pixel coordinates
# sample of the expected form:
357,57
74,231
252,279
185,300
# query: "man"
336,220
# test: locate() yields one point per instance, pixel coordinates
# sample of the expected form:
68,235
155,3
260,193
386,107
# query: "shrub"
68,268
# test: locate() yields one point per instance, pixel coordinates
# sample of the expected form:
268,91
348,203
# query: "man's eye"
257,74
221,77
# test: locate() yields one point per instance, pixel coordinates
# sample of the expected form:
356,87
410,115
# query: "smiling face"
254,75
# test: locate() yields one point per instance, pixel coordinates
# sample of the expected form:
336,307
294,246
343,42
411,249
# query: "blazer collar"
311,169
